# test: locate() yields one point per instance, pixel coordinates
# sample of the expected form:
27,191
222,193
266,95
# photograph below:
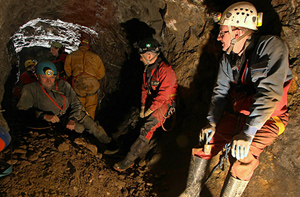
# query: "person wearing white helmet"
249,104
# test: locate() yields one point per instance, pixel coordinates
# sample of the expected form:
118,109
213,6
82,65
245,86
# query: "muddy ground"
53,162
59,162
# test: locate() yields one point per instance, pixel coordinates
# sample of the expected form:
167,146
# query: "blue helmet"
46,68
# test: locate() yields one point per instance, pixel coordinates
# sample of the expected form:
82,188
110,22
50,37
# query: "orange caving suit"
158,94
250,96
86,69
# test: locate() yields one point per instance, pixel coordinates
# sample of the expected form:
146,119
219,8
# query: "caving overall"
158,93
87,69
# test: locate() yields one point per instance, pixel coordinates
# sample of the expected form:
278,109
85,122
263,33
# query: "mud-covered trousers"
154,121
227,128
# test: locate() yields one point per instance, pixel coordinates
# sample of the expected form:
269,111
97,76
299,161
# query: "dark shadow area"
127,98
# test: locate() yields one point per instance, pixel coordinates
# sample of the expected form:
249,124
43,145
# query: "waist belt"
91,94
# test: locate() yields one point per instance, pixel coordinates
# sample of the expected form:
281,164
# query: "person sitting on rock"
50,99
248,109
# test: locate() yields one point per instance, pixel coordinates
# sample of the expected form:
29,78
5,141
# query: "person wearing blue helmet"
5,138
50,99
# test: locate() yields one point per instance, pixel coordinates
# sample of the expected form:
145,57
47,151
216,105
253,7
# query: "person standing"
58,51
157,101
28,76
249,103
86,69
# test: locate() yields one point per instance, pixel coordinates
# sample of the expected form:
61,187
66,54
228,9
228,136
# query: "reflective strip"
279,124
173,95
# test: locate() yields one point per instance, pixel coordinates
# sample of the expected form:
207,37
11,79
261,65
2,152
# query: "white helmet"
241,14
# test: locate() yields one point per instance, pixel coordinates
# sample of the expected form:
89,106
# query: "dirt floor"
52,162
58,162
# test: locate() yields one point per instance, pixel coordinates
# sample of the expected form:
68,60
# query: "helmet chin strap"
148,61
234,41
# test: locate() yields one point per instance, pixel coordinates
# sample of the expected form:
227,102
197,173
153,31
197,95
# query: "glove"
148,112
207,133
240,145
142,113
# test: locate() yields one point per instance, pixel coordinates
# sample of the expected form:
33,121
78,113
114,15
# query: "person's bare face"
54,51
47,81
224,37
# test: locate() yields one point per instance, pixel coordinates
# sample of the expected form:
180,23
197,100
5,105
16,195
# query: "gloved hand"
148,112
240,145
207,133
142,113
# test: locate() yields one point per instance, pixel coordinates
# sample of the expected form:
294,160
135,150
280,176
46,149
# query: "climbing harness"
64,97
221,164
224,156
170,112
83,72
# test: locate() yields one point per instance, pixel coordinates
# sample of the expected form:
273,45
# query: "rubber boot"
135,151
233,187
195,177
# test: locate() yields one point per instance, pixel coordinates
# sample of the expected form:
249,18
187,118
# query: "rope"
227,149
221,164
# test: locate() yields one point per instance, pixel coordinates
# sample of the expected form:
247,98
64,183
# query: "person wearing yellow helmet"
254,75
28,76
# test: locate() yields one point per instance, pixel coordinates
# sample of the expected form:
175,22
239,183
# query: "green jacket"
63,97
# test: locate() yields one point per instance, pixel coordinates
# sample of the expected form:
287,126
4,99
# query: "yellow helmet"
29,63
241,14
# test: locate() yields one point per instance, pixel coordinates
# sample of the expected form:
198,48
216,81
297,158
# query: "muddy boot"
233,187
135,151
95,129
195,177
112,148
101,135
